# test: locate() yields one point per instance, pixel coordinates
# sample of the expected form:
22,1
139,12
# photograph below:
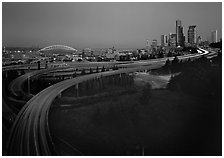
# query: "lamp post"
28,85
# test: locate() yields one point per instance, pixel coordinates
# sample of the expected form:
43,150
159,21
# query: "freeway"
16,85
212,54
59,64
30,133
162,60
74,64
31,130
22,66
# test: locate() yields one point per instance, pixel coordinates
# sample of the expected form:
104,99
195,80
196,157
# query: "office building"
199,40
172,40
154,43
192,34
214,36
164,40
147,45
180,39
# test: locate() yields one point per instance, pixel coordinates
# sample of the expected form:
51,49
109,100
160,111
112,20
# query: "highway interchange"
30,133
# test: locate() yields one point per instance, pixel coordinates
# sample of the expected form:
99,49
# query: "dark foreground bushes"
198,78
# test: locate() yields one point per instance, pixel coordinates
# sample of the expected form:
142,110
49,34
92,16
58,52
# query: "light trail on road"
30,133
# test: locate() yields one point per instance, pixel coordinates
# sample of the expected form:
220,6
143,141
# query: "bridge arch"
57,47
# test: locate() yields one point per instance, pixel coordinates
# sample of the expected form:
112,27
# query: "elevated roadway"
30,129
16,85
22,66
30,134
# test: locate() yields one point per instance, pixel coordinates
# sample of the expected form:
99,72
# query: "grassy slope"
168,124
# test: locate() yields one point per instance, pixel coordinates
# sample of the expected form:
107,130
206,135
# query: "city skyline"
101,25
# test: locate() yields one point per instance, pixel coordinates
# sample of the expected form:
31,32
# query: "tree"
197,78
175,64
115,67
97,69
103,69
46,65
170,54
152,56
167,64
83,72
38,65
216,45
160,55
175,60
22,72
90,71
74,75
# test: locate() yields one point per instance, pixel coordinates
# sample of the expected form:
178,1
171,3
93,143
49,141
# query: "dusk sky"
104,25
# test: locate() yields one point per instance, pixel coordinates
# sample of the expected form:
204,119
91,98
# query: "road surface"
30,134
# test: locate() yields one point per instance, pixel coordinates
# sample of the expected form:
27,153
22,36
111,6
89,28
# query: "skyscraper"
147,44
214,36
179,33
164,40
172,40
198,40
192,34
154,43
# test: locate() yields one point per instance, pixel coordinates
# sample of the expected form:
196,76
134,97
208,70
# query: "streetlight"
28,84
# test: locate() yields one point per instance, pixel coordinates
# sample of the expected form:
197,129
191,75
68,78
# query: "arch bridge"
57,47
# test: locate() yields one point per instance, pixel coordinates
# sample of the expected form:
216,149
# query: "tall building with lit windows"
154,43
164,40
172,40
147,45
192,35
214,36
179,33
199,40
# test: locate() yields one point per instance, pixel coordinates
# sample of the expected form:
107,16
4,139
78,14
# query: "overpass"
31,129
16,85
30,134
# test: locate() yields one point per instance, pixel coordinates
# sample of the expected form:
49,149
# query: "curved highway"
31,66
30,134
16,85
